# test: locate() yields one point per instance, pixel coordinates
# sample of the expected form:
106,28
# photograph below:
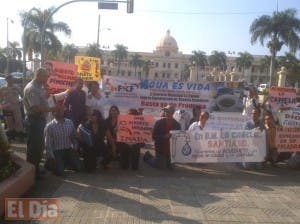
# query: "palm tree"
15,51
282,28
136,61
264,63
185,72
218,59
119,54
198,59
35,20
94,51
146,67
69,52
244,61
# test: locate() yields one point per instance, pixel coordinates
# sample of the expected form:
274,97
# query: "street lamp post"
129,10
99,31
7,42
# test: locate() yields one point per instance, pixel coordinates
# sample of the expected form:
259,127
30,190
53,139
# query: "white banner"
290,117
228,120
214,146
212,96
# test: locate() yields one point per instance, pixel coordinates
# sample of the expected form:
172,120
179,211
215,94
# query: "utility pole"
102,4
98,31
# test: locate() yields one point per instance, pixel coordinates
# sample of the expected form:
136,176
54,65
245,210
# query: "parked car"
2,82
262,87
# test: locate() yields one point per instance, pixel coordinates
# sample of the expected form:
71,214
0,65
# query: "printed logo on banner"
186,149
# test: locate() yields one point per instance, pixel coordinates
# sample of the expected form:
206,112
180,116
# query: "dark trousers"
92,153
160,160
129,156
35,143
63,158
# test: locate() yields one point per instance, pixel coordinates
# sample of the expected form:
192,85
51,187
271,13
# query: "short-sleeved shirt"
195,126
95,104
34,95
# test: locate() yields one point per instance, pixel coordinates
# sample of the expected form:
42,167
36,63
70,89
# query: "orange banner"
61,75
135,129
88,68
288,138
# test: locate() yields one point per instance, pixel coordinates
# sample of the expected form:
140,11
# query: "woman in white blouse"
94,99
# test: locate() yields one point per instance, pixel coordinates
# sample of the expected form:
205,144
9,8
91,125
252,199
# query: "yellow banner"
88,68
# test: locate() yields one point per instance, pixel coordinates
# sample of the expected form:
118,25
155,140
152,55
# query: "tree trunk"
272,68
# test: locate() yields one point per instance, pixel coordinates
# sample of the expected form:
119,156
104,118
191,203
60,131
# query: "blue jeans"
66,157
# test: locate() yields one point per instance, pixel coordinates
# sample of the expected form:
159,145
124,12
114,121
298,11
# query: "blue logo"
186,149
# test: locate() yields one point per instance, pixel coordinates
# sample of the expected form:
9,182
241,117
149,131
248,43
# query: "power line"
205,13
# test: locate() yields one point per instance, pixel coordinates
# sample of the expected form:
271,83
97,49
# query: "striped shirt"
59,135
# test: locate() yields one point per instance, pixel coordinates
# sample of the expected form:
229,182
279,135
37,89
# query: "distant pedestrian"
11,107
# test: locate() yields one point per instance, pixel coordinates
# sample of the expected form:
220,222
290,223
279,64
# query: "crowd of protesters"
71,127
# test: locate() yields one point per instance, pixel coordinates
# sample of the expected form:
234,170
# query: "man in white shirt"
199,125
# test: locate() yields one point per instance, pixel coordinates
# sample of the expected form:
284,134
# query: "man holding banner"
161,135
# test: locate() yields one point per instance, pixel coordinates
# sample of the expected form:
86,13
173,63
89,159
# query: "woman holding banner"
130,153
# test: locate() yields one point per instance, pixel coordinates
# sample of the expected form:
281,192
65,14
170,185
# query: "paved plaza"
202,193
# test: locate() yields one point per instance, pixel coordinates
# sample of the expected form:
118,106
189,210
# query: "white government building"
168,63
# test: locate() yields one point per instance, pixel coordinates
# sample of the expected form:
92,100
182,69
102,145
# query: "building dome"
167,43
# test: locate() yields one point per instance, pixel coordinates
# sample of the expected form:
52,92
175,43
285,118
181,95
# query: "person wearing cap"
161,136
9,95
36,108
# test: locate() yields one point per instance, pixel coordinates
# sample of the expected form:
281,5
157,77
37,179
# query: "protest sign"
213,146
290,117
282,97
61,75
288,138
228,120
135,128
88,68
